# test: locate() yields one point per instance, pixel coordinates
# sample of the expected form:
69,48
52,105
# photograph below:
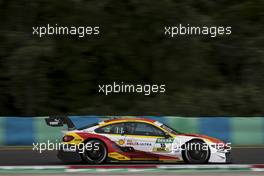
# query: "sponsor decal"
163,140
118,156
131,142
113,154
121,158
121,142
160,149
77,139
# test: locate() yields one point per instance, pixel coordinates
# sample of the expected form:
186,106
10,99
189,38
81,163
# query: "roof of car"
129,119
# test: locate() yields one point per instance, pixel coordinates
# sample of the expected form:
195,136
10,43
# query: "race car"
137,139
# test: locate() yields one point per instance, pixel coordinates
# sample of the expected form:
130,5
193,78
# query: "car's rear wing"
57,121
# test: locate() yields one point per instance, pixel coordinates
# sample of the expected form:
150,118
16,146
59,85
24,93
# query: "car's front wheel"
94,152
196,152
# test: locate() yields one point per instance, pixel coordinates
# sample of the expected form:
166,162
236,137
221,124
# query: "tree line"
204,76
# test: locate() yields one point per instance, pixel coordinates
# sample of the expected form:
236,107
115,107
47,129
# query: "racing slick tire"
95,153
196,152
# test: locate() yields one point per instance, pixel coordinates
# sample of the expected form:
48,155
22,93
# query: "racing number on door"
162,145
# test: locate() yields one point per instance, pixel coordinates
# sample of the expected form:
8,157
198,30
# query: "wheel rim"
95,155
198,154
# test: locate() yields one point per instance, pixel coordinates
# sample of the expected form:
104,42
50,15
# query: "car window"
117,128
145,129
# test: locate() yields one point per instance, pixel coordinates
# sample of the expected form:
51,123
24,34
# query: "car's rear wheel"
196,152
95,152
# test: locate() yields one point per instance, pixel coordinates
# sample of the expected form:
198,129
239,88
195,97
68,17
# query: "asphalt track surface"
26,156
153,174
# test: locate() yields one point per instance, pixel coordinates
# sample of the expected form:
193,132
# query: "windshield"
169,129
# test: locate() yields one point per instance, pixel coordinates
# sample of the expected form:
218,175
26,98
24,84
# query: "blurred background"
60,74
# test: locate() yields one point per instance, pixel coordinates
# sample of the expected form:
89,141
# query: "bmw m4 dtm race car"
137,139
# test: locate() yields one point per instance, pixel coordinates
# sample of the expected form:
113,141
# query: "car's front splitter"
220,157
